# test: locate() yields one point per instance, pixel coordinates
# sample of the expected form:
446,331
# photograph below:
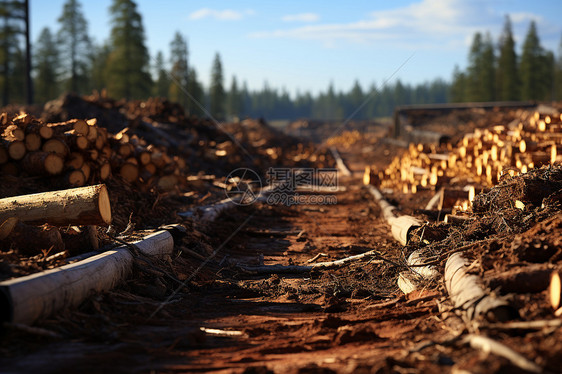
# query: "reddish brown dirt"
349,320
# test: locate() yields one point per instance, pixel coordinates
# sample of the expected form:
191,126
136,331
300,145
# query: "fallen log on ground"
402,225
467,292
26,299
339,162
77,206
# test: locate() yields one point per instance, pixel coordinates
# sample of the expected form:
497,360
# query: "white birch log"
467,291
26,299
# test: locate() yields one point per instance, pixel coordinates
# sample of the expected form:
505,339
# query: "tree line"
498,73
67,60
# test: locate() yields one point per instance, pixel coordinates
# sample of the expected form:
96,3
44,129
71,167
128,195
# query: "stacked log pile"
79,152
482,157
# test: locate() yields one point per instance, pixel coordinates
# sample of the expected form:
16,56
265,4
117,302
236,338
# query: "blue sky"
303,46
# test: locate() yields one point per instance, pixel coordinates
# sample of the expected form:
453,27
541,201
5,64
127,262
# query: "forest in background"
66,60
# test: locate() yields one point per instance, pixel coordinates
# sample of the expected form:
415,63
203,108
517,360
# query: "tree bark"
77,206
26,299
467,291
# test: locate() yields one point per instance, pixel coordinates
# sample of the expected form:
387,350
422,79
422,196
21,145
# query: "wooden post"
77,206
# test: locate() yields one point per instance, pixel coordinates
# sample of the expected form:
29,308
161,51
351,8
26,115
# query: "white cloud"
301,17
523,17
424,24
220,15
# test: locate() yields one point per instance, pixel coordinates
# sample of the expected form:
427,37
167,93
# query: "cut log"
26,299
42,163
129,172
86,170
450,196
45,132
342,168
529,279
56,145
92,132
32,142
16,150
555,290
104,171
13,132
78,206
75,160
80,126
75,178
401,226
467,292
409,281
167,182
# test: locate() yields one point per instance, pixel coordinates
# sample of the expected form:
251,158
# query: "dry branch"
291,269
491,346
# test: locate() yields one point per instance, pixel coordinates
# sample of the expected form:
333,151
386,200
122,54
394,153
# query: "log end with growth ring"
104,205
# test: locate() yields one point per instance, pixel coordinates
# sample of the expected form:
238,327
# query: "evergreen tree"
235,100
507,79
162,82
46,63
480,76
11,13
179,70
195,89
216,92
536,68
558,74
75,46
99,60
127,72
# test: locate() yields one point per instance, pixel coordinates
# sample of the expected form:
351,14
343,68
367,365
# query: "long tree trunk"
76,206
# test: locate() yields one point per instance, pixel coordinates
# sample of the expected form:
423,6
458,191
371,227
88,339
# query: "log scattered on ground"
78,206
26,299
467,291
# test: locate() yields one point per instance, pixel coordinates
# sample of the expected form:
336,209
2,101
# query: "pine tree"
127,72
46,63
480,76
216,92
536,68
99,61
507,79
355,98
11,13
558,74
235,100
162,82
458,86
195,89
75,47
179,71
